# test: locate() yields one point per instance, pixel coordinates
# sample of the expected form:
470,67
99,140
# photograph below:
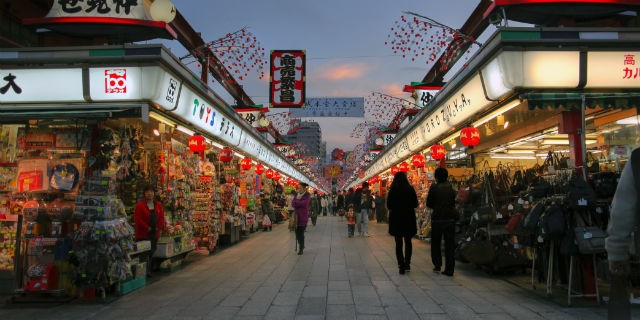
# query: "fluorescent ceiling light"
499,156
564,141
185,130
496,113
238,155
162,119
630,120
521,151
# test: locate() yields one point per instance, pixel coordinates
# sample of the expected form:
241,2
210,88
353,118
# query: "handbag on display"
590,239
487,210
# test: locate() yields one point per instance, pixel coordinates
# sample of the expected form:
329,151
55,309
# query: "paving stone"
261,277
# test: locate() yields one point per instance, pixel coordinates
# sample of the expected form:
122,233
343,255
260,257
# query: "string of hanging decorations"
280,121
422,38
240,52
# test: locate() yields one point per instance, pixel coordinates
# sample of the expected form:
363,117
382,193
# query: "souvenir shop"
81,136
534,133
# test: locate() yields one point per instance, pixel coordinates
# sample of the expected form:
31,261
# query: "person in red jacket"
148,219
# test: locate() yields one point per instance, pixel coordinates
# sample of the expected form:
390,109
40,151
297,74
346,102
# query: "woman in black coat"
401,202
441,198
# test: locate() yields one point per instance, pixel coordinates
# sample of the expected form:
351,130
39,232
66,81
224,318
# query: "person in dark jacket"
401,202
267,209
442,199
314,207
300,204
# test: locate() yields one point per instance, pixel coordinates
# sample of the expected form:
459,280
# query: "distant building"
310,135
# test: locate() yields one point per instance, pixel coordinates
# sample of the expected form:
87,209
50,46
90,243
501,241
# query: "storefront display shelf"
129,286
175,254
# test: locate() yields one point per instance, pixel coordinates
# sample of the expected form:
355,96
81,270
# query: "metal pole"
583,134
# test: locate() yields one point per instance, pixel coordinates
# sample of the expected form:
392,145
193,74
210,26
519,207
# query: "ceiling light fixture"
496,113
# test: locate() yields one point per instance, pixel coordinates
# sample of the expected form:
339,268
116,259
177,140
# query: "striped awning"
573,100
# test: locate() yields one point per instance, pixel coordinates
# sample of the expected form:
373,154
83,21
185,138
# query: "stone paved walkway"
337,278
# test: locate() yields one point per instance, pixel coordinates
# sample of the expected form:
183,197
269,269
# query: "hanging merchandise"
470,136
64,177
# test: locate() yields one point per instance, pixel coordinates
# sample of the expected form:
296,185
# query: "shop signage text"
40,85
129,9
287,81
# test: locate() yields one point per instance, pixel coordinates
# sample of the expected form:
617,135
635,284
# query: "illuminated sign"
40,85
613,69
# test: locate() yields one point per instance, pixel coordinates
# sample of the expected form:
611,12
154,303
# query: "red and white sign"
115,81
287,85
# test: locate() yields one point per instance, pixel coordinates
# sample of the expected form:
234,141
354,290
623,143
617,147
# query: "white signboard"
613,69
104,9
40,85
116,83
202,114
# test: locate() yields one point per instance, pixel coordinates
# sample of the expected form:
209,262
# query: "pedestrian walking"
442,199
314,207
340,204
324,205
363,202
351,221
625,210
300,205
267,211
401,202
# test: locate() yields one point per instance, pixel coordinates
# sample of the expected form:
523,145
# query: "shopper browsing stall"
149,221
300,204
441,198
402,201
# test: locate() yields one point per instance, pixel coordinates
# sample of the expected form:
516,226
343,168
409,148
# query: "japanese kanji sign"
287,80
128,9
331,107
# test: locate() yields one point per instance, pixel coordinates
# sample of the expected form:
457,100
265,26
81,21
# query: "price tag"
588,235
582,202
510,207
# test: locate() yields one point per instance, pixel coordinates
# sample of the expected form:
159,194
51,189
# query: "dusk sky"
344,42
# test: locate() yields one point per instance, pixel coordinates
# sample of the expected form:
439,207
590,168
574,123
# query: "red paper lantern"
225,155
394,170
470,136
197,143
269,174
259,168
437,151
417,160
403,166
246,164
276,176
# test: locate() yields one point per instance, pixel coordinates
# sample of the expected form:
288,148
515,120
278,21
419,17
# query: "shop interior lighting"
520,151
162,119
505,156
451,137
564,142
631,120
184,130
496,113
238,155
500,120
156,132
506,124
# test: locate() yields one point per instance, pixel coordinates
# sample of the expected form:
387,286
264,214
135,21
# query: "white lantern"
162,10
263,122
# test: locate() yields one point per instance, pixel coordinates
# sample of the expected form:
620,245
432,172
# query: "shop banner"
200,113
466,102
287,80
613,69
102,9
423,97
416,139
251,116
401,149
330,107
332,171
388,138
41,85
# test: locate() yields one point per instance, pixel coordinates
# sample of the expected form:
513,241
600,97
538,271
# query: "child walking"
351,220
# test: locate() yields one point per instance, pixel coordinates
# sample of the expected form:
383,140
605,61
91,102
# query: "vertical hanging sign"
287,80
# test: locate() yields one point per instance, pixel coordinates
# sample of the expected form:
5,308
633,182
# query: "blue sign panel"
330,107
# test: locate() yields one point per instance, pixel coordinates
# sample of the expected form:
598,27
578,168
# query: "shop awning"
18,113
573,100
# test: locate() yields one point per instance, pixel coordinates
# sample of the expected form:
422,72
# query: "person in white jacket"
624,215
324,203
623,221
